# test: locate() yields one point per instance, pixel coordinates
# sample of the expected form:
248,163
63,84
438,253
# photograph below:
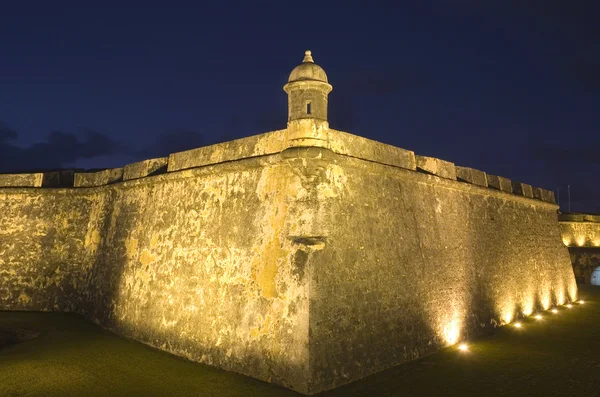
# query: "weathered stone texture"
500,183
42,256
472,176
257,145
420,262
356,146
548,195
291,267
100,178
437,167
197,263
580,230
522,189
543,194
145,168
21,180
537,193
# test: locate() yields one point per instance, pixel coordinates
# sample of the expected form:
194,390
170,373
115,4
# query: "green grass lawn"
557,356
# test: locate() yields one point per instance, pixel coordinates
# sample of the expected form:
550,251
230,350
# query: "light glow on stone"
507,316
573,292
560,296
452,332
546,299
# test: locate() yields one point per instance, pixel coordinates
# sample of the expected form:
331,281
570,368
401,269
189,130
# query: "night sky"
508,87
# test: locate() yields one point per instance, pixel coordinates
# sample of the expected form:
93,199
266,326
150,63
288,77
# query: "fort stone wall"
581,234
308,267
415,261
195,262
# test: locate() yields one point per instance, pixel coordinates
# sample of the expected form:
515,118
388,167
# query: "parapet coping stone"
145,168
22,180
472,176
500,183
275,142
543,194
252,146
344,143
594,218
235,166
92,179
437,167
523,189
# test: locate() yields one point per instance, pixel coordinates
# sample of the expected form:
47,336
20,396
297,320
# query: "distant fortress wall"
580,230
581,234
307,267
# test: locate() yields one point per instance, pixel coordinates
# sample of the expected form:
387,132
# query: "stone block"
252,146
499,183
571,217
145,168
21,180
537,193
591,218
471,175
367,149
548,195
105,177
441,168
523,189
62,178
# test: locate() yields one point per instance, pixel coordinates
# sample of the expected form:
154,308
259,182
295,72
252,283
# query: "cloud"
238,125
58,150
172,141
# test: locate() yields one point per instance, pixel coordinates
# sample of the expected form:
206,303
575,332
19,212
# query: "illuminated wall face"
580,234
40,269
413,263
304,268
198,263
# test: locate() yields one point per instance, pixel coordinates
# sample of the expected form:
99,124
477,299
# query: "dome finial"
308,57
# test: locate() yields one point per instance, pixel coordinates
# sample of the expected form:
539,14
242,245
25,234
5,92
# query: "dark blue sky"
508,87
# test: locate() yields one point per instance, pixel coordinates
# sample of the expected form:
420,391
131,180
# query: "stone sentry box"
306,257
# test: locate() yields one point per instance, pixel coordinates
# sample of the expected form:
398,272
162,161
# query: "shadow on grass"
10,336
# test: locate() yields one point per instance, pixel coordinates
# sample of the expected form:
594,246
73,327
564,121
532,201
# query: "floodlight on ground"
554,311
463,347
569,306
518,325
538,317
